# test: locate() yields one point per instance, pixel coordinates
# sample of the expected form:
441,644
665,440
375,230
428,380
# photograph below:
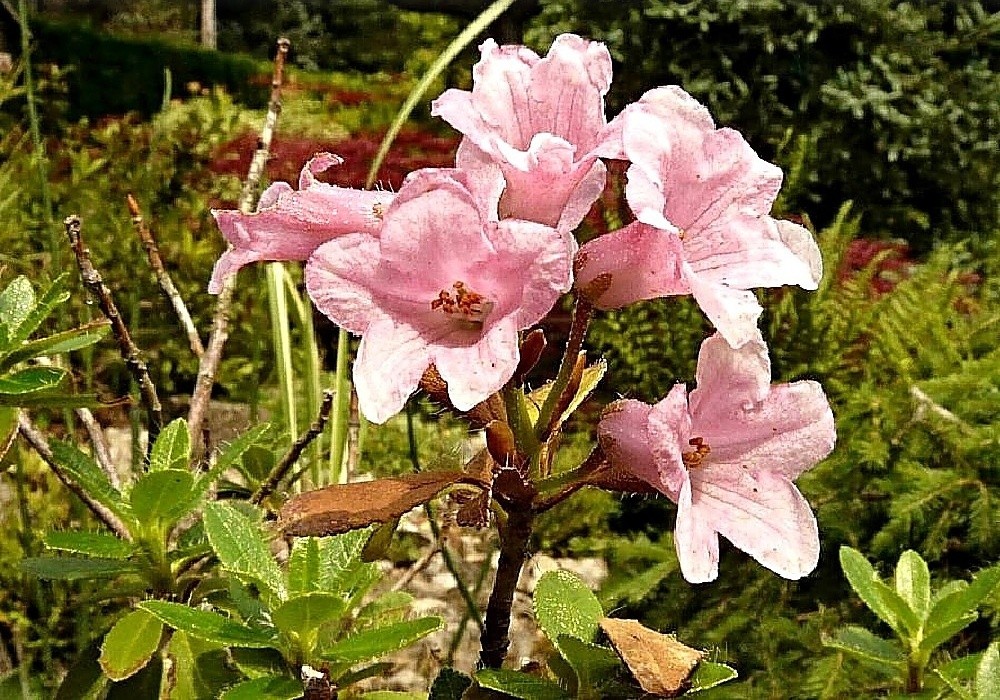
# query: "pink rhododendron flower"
442,284
727,456
290,224
540,121
702,198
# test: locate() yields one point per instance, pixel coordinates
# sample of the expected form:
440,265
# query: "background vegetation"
883,115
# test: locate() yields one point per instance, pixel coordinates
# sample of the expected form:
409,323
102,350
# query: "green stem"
341,411
281,340
310,348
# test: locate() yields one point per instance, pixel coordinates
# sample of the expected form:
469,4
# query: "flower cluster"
450,269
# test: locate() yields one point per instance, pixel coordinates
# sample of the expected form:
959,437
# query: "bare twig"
102,453
163,277
209,364
130,353
292,456
37,440
926,403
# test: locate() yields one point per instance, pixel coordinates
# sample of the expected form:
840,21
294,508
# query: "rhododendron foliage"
290,224
727,455
442,284
541,122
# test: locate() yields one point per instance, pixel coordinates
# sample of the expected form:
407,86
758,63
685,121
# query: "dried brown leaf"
661,665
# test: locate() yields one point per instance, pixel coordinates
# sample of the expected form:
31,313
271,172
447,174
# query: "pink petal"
623,434
391,359
669,432
290,225
340,277
695,540
761,513
476,372
729,380
631,264
733,312
787,433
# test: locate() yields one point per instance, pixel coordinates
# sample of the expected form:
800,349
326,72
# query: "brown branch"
37,440
293,454
102,453
209,364
130,353
495,638
163,277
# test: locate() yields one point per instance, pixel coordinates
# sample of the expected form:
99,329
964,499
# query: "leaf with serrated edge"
913,583
172,449
94,544
16,302
240,547
564,604
306,613
75,568
590,663
859,641
988,673
58,343
210,626
709,674
81,468
32,380
520,685
375,642
199,669
962,600
880,598
45,303
266,688
162,497
130,644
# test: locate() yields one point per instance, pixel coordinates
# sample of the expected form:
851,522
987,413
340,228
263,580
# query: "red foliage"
893,264
412,149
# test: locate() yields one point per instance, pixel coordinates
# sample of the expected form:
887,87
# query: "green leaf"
54,399
231,455
955,684
520,685
988,673
592,376
8,428
258,663
130,644
49,299
162,497
378,641
391,606
860,642
305,565
172,449
240,547
94,544
392,695
265,688
882,600
307,612
936,636
210,626
709,674
962,600
449,685
85,680
330,564
591,663
145,683
57,343
81,468
913,583
564,605
199,669
31,380
16,302
74,568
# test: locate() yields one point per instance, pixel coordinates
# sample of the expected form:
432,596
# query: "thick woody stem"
37,440
130,353
514,536
163,277
209,364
